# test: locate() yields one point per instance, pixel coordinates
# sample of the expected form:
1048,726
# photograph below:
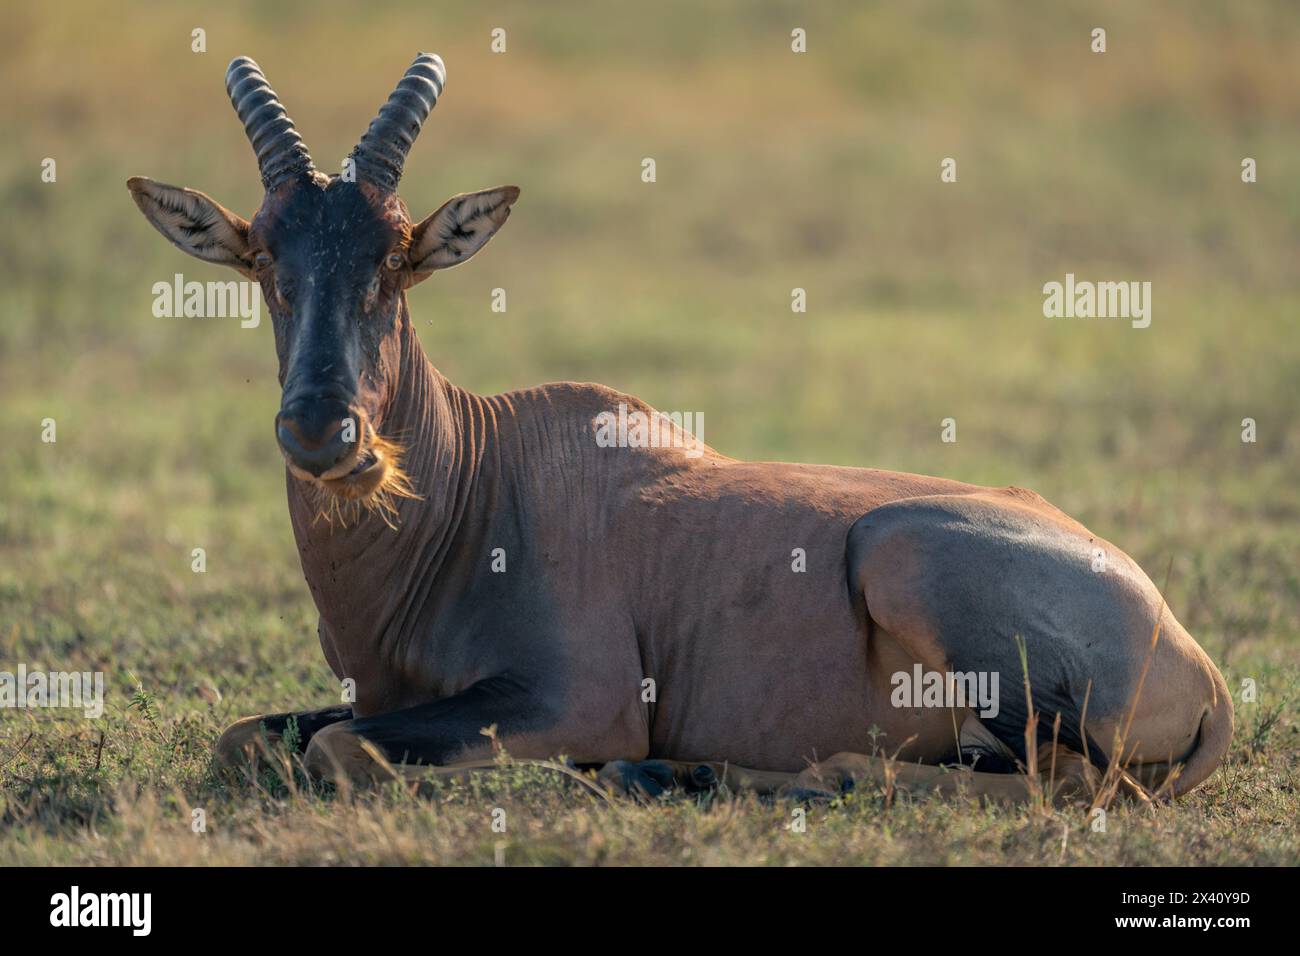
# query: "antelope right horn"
381,154
281,153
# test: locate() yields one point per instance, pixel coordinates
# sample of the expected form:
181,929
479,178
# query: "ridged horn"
380,155
281,153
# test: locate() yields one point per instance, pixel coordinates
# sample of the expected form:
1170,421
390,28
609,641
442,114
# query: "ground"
774,171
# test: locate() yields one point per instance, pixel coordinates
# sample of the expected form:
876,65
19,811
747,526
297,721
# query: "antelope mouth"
365,462
371,480
360,478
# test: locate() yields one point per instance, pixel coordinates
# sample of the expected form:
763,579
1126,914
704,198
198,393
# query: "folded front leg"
374,749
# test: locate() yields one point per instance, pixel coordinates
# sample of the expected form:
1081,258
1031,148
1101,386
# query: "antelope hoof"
647,779
241,743
819,782
702,779
343,758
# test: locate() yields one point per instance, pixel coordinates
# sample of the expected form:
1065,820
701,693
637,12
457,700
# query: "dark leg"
436,733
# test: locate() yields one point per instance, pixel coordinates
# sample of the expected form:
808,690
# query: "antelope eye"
262,260
394,261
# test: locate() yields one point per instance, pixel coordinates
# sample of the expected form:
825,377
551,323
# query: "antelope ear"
459,229
194,223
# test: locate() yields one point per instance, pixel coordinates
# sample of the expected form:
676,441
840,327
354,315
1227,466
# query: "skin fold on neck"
364,571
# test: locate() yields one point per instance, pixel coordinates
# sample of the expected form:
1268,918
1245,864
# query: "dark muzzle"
314,434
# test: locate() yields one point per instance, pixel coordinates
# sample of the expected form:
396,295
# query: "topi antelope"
485,561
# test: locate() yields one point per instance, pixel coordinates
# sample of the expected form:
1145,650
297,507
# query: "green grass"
774,171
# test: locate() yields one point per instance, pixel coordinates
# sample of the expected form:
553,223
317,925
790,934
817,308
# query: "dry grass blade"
1032,782
1117,777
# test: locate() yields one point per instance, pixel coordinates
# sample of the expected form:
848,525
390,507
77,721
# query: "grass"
775,171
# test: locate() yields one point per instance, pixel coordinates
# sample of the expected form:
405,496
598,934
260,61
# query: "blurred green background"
775,171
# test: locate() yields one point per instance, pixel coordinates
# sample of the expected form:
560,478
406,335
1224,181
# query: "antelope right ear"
194,223
459,229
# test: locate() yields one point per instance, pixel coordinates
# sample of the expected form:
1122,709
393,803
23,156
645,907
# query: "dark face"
331,260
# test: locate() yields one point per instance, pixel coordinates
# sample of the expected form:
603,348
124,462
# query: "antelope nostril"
316,436
315,419
309,436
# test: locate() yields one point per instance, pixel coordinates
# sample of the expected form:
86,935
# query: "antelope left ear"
459,229
194,222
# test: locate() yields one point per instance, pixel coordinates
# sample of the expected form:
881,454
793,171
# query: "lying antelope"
484,561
